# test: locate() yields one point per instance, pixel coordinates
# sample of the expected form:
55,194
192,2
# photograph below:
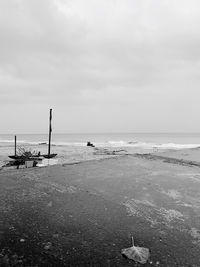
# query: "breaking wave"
150,145
22,142
133,144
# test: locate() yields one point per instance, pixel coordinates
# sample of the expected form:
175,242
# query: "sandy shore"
84,214
192,154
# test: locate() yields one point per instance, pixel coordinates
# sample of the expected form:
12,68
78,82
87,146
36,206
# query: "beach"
99,143
83,214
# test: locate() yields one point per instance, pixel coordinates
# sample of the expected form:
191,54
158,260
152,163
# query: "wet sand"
192,154
84,214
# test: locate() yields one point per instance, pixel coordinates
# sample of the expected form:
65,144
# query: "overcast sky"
102,65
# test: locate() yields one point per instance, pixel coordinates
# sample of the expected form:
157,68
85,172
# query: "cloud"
98,52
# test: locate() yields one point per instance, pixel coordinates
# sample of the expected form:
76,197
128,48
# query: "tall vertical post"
15,145
50,130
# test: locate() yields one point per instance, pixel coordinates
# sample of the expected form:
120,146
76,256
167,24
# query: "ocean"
72,147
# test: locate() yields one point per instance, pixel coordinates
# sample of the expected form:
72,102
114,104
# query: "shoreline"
171,157
172,160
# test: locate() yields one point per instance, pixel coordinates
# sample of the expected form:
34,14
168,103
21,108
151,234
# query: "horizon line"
103,133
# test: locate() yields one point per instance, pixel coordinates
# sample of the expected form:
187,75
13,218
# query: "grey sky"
102,65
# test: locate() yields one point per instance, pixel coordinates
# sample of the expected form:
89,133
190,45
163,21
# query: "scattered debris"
171,215
71,189
50,204
195,233
47,246
26,154
176,195
138,254
105,151
147,210
182,162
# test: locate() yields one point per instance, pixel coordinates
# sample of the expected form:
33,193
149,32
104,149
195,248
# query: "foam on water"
112,143
149,145
3,141
127,144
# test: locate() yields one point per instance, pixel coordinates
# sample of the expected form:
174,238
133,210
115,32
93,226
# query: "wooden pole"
50,130
15,145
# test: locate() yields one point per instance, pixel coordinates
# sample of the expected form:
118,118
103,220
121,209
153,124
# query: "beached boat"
38,156
16,157
49,156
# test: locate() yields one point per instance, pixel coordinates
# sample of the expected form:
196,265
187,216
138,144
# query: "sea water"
72,147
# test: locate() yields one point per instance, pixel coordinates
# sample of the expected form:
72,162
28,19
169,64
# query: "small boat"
49,156
25,156
16,157
39,156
